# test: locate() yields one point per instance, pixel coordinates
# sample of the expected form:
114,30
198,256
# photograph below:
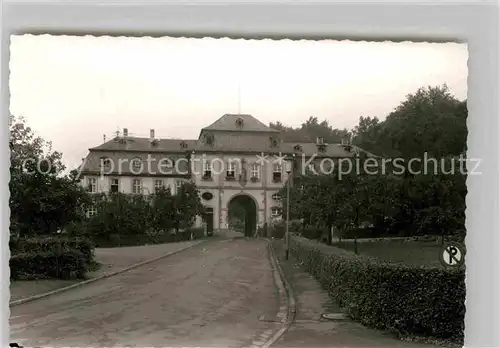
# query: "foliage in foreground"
50,257
42,199
411,301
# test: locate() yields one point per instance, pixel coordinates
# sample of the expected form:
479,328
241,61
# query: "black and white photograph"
219,192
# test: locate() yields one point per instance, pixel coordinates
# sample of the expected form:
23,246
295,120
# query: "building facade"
235,156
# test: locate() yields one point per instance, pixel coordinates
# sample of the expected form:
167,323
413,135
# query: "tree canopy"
431,121
42,199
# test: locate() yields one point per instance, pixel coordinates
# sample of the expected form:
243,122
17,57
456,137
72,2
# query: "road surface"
211,295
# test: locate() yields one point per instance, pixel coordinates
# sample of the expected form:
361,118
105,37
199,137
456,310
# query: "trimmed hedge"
278,230
198,232
55,244
314,233
117,240
63,264
403,299
50,257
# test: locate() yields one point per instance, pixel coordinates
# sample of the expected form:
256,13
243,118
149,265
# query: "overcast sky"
72,90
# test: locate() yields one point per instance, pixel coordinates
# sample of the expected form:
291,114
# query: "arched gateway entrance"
242,214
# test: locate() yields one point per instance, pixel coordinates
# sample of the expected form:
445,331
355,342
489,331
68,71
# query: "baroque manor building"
236,157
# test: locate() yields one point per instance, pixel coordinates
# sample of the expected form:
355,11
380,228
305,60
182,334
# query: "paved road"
211,295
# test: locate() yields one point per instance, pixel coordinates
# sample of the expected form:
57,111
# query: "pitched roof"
230,122
121,163
239,133
144,144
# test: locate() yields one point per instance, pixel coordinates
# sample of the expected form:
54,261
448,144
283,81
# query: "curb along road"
92,280
292,303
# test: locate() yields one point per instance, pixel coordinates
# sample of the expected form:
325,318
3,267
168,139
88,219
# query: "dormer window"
105,162
239,123
136,164
209,139
183,145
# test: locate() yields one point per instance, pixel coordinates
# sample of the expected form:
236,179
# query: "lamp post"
288,165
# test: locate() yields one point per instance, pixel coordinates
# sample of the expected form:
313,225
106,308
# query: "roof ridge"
227,122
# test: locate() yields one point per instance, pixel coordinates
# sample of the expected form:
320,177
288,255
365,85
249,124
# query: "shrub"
198,232
278,230
56,244
296,226
14,246
311,232
62,264
160,237
407,300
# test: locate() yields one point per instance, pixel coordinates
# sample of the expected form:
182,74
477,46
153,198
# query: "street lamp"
288,168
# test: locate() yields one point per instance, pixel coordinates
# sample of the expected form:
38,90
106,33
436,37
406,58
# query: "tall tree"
187,205
42,199
430,120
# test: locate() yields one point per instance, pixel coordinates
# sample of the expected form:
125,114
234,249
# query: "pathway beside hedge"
310,330
111,260
410,301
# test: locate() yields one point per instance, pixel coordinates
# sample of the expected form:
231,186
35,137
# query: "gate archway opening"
242,214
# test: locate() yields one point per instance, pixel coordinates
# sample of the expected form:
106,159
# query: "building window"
275,212
91,210
114,185
169,163
207,170
136,186
178,185
277,170
209,139
276,197
92,185
273,142
159,184
136,164
105,162
230,172
255,173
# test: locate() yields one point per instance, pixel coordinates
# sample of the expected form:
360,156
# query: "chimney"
151,134
346,144
104,138
319,141
125,132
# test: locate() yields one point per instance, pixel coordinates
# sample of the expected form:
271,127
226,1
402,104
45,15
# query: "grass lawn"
411,253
